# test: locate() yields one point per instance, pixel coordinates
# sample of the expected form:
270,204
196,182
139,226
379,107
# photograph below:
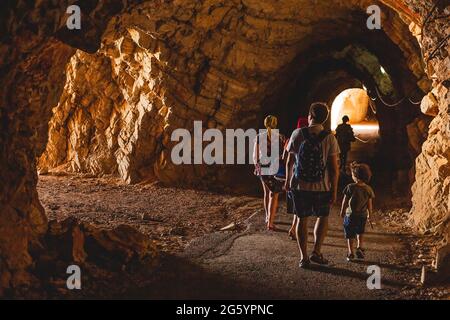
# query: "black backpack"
310,166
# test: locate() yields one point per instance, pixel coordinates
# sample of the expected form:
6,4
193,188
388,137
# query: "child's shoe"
360,253
350,257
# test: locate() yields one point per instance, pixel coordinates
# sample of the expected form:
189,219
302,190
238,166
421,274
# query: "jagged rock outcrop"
431,195
100,254
417,134
89,244
108,119
431,191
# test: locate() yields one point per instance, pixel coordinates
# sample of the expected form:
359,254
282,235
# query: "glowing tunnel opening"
354,103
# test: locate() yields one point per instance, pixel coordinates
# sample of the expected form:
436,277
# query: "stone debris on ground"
108,202
421,253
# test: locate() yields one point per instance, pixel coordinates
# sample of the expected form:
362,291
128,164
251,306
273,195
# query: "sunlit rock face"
431,192
431,197
108,119
147,69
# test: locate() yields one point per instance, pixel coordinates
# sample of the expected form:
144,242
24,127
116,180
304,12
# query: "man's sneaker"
360,253
318,258
350,257
304,263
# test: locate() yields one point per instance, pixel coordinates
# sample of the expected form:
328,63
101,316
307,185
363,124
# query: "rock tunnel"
105,99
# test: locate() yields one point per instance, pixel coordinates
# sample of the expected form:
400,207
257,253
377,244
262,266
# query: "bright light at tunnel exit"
355,104
365,127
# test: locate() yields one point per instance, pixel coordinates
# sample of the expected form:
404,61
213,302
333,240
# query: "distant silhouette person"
345,137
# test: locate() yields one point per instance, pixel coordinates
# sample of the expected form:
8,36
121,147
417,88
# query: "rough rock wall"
431,191
89,96
22,218
32,77
181,61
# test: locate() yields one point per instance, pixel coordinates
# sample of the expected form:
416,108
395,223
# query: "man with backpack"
312,174
345,137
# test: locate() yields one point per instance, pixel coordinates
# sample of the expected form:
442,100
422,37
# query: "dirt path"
269,261
257,264
170,216
245,262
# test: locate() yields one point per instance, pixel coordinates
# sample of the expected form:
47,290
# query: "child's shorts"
353,225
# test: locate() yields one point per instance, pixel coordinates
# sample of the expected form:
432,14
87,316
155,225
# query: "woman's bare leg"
293,226
266,201
273,207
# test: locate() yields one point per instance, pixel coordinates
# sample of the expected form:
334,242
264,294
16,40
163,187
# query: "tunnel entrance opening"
355,103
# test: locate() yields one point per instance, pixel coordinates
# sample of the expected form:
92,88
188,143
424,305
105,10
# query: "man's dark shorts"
353,225
312,203
290,202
